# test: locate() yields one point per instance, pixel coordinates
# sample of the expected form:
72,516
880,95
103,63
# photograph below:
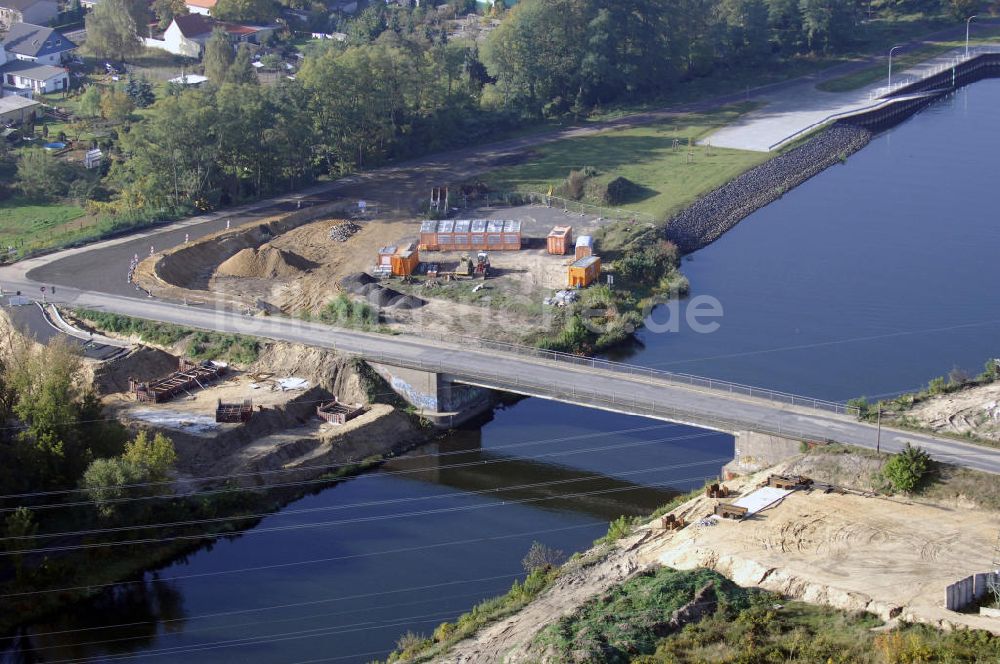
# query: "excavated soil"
266,262
850,551
973,411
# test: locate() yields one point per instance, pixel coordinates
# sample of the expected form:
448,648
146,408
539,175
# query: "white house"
35,77
38,12
186,36
34,43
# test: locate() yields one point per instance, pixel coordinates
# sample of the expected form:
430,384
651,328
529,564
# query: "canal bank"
865,279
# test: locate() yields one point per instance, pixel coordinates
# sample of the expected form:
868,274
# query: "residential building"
40,79
186,36
38,44
15,110
38,12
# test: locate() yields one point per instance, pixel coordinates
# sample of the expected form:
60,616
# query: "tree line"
400,87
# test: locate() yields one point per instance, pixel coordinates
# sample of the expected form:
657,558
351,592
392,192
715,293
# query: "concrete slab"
792,109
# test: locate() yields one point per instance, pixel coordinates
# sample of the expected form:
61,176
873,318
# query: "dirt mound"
264,263
142,364
408,302
354,283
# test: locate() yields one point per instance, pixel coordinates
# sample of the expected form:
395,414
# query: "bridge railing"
611,400
649,374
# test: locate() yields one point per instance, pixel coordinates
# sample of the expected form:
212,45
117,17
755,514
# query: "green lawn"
29,222
670,175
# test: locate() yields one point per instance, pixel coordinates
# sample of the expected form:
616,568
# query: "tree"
116,106
156,455
112,29
251,11
90,102
241,72
167,10
218,56
107,482
140,91
40,175
905,470
20,532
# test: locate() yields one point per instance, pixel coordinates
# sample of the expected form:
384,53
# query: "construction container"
477,234
446,235
428,235
462,235
559,241
405,262
383,263
584,271
512,235
584,246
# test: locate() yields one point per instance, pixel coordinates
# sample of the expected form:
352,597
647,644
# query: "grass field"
670,175
25,221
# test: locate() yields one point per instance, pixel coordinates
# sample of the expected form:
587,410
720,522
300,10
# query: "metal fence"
639,373
610,400
569,206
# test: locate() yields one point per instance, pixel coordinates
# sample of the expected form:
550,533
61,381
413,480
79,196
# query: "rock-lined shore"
717,212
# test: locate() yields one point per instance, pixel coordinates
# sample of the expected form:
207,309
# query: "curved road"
94,276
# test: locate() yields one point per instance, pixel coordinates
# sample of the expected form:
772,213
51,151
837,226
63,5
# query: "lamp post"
967,22
890,65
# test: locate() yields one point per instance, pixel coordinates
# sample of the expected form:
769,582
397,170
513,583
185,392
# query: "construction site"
420,274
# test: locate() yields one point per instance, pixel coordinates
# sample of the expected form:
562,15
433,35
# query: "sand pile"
264,263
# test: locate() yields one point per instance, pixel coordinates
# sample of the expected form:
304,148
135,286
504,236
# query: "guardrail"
611,400
644,374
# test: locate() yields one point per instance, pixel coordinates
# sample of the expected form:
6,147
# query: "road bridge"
595,383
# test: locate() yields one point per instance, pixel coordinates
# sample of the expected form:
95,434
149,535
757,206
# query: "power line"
385,473
349,506
259,568
321,524
317,467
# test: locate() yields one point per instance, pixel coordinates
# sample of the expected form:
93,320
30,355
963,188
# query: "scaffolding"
189,376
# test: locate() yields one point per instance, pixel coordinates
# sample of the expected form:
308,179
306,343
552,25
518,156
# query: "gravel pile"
344,232
353,283
718,211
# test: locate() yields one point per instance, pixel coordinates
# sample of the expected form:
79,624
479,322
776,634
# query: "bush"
905,470
542,557
618,529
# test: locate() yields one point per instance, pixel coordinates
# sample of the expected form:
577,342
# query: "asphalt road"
608,390
94,277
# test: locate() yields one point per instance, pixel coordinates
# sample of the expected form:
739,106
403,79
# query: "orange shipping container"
584,246
584,271
559,241
405,263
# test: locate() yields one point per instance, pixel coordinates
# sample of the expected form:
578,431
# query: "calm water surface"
868,279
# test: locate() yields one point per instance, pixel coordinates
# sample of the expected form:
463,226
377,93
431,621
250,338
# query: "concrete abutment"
435,396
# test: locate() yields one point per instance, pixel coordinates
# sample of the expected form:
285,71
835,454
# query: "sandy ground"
975,411
195,413
297,271
854,552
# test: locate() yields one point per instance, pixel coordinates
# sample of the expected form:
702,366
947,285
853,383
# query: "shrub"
617,529
542,557
575,184
905,470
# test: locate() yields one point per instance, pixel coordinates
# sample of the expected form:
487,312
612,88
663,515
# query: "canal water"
869,279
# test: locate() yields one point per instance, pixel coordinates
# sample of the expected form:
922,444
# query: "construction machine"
482,264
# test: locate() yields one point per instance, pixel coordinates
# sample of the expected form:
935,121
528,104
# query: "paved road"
608,390
94,277
795,108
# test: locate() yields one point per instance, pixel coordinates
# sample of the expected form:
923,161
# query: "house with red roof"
187,35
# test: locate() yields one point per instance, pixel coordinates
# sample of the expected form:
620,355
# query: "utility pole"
878,434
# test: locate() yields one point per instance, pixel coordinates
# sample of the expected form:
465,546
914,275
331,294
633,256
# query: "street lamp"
967,22
890,65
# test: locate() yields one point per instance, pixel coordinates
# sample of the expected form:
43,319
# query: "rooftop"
15,103
31,70
204,4
586,261
19,5
34,40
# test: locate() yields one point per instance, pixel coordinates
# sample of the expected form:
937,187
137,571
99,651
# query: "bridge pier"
444,403
756,451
